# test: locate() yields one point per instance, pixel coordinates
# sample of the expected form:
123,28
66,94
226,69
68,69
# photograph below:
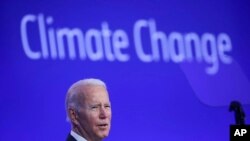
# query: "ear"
73,116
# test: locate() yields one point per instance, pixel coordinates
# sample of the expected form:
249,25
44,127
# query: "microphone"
238,112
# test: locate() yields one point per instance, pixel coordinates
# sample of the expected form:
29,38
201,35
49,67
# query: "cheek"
93,118
88,118
110,114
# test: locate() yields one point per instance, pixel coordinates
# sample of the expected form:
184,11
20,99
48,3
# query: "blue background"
150,101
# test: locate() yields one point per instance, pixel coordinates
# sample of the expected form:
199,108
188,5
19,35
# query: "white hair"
88,81
71,100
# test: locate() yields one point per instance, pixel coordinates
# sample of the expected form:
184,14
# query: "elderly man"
89,111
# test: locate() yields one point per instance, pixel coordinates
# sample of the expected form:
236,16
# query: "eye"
107,106
94,107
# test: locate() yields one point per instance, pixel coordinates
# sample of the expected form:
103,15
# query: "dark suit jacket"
70,138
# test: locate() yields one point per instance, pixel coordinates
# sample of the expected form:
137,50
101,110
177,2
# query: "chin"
103,135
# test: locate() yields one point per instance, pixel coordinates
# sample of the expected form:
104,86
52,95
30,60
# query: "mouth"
103,126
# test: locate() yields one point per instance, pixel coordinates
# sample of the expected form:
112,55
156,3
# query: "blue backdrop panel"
172,67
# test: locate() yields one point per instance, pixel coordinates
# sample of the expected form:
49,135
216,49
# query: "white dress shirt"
76,136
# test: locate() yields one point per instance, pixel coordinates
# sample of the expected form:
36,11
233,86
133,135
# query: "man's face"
95,112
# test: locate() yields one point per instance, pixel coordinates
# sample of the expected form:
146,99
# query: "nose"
103,113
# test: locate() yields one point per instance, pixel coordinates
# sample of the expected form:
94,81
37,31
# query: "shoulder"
70,138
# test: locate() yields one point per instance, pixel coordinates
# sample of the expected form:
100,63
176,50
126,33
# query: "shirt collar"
76,136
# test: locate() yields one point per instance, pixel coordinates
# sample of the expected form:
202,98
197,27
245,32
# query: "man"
89,110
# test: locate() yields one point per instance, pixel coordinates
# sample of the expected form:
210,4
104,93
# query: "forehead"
95,93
